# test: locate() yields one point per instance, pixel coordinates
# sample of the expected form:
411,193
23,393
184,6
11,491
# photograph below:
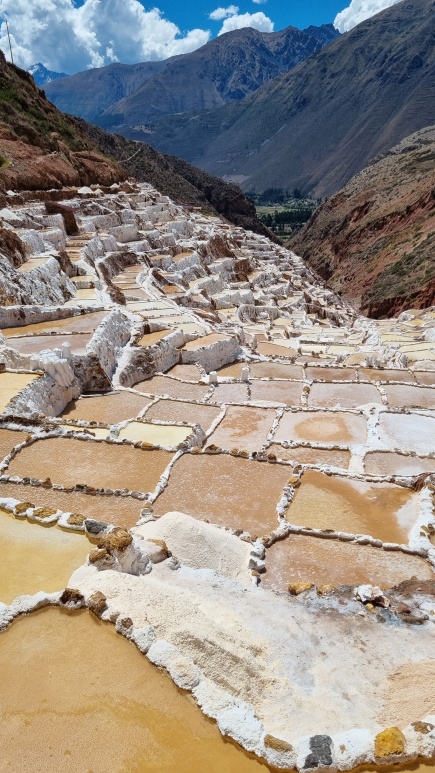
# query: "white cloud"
224,13
259,2
257,20
68,39
358,11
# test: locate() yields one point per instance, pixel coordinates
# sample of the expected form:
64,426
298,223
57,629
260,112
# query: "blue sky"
74,35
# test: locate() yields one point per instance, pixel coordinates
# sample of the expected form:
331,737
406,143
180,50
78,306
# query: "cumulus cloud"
224,13
257,20
259,2
68,39
358,11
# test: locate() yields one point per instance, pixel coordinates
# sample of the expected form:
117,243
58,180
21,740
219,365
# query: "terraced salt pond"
79,323
155,434
382,510
85,699
243,428
343,395
118,510
311,456
68,461
161,385
35,558
35,344
323,562
11,384
225,490
107,409
322,427
191,413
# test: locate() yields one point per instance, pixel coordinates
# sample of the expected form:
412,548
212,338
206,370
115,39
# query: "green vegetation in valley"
283,211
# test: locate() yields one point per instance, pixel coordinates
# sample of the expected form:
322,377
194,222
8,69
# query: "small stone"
371,608
389,741
296,588
94,527
76,519
72,598
97,602
22,507
277,744
321,754
322,590
96,555
157,550
422,727
117,539
44,512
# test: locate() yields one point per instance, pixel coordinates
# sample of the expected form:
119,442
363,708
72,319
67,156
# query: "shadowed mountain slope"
41,148
316,126
225,69
374,241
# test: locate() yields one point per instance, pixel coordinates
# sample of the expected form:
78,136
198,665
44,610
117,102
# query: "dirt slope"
375,240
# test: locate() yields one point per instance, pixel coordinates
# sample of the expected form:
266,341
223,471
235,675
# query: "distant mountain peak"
41,75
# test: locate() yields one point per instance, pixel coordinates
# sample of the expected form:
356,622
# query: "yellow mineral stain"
69,461
34,558
383,510
11,384
71,684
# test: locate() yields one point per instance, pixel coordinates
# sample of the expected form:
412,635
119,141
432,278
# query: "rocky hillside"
374,241
225,69
41,148
321,123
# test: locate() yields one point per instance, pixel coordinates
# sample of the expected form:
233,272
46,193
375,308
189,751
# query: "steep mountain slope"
318,125
375,240
88,94
41,148
41,75
225,69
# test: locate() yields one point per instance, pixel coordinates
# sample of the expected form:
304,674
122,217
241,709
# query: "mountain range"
43,149
224,70
319,124
41,75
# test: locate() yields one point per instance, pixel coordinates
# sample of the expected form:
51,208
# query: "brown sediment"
225,490
230,393
243,427
232,371
35,344
303,455
9,439
11,384
425,377
401,396
120,511
80,323
330,374
187,372
276,370
345,395
375,374
397,464
108,409
273,350
34,558
325,561
322,427
161,385
199,343
192,413
382,510
53,707
285,392
149,339
103,465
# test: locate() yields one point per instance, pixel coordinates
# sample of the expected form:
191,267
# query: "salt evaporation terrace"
215,455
